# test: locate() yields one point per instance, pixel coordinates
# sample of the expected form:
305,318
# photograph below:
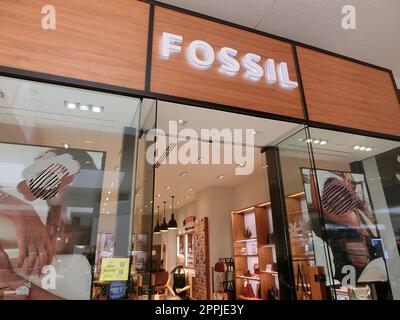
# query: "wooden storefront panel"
101,41
177,77
349,94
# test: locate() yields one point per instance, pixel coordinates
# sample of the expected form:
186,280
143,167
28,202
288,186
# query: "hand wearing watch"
21,292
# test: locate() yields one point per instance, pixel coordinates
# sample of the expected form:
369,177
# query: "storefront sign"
114,269
201,55
203,60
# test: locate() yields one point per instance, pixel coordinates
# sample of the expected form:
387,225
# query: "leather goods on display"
247,290
221,266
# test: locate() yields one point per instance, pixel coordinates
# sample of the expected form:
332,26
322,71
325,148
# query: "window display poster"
388,164
58,190
350,223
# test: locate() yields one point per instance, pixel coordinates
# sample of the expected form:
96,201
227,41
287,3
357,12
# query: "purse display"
221,266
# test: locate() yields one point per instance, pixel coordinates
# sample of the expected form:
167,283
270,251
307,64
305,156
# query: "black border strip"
300,81
147,85
395,85
266,34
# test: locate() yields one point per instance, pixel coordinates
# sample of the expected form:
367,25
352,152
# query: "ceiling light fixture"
323,142
172,224
167,188
164,226
189,189
316,141
368,149
182,174
158,195
109,192
362,148
157,227
97,109
356,147
309,140
66,145
187,197
220,177
84,107
71,105
181,122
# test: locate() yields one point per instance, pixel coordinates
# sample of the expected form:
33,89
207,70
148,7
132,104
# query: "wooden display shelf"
249,278
274,273
241,297
246,240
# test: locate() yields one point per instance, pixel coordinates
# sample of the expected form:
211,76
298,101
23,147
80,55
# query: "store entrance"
212,207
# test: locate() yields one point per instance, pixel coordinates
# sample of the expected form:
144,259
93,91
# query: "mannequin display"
178,280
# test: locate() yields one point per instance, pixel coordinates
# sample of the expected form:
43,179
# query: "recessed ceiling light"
356,147
84,107
189,189
368,149
108,212
309,140
105,204
167,188
316,141
170,207
254,132
109,192
220,177
158,195
181,122
178,202
145,206
151,201
182,174
107,198
66,145
300,139
323,142
362,148
112,184
71,105
97,109
187,197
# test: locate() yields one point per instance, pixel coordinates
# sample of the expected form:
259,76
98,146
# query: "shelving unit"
185,246
253,251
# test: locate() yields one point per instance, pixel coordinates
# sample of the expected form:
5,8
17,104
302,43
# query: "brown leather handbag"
221,266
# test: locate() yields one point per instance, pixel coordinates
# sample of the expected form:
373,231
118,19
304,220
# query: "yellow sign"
114,269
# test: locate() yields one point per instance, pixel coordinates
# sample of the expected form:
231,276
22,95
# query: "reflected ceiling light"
71,105
97,109
241,165
316,141
107,198
151,201
167,187
84,107
187,197
368,149
158,195
181,122
157,227
362,148
323,142
254,132
109,192
66,145
309,140
356,147
301,139
164,226
172,224
112,184
182,174
220,177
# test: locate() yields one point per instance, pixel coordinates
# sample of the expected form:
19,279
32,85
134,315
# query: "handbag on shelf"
247,290
221,266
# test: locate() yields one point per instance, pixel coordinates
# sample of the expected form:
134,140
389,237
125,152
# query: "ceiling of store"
318,23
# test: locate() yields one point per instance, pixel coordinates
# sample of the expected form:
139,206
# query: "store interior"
222,221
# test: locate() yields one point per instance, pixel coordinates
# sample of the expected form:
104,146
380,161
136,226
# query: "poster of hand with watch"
49,198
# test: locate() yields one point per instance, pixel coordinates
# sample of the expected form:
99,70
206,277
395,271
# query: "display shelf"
249,278
275,273
246,240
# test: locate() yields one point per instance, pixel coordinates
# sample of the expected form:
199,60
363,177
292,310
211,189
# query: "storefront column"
280,223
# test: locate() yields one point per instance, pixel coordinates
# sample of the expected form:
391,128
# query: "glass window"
67,164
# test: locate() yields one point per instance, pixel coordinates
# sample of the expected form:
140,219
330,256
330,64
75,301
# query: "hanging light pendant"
157,227
164,226
172,225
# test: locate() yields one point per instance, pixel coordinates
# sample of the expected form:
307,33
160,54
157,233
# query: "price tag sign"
114,269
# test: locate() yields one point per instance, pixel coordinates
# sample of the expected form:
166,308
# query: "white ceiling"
318,23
